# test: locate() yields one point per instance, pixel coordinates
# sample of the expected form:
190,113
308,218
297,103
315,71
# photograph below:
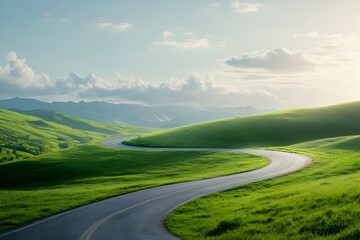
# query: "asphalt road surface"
139,215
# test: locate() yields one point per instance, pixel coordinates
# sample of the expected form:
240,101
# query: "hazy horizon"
264,54
175,105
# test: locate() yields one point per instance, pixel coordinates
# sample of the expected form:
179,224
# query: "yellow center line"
88,233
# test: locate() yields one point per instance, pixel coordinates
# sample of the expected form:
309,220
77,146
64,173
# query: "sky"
266,54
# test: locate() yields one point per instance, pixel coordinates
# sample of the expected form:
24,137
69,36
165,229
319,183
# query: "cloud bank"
18,79
279,60
198,89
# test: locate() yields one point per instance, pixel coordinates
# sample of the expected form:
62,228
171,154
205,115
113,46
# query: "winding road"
139,215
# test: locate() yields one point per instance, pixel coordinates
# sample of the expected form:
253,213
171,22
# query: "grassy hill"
320,202
24,135
273,129
70,121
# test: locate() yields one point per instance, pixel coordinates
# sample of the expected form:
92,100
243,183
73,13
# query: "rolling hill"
68,120
318,202
25,135
273,129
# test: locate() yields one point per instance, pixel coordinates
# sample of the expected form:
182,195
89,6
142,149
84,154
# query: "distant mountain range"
132,114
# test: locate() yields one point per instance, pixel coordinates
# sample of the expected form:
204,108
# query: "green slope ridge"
320,202
24,135
70,121
273,129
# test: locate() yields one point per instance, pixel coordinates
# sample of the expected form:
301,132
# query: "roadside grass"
321,201
51,183
280,128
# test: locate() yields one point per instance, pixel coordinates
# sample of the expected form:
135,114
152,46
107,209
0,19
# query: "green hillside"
67,120
273,129
320,202
23,135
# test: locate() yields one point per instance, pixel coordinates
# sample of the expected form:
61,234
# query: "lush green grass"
51,183
69,121
23,135
273,129
320,202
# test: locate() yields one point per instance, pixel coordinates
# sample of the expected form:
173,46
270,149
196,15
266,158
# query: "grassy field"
23,136
50,183
320,202
273,129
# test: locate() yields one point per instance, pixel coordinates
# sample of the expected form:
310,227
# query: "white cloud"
114,27
201,82
240,7
187,44
183,41
278,60
17,76
50,17
167,34
214,5
332,50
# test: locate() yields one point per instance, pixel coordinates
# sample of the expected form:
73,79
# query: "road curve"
139,215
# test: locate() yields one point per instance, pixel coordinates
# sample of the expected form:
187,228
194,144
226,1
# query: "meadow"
321,201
